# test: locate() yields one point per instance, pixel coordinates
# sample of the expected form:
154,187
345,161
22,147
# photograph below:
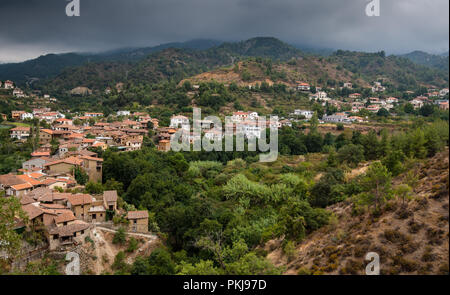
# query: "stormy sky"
29,28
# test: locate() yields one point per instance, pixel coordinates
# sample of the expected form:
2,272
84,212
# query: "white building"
240,116
93,115
123,113
250,129
391,100
214,135
377,87
176,121
20,132
443,92
336,119
8,85
18,93
303,87
307,114
417,103
319,95
25,116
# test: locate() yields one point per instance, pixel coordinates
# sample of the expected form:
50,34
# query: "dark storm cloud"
32,27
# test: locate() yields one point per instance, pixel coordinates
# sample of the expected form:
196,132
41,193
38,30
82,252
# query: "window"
82,232
134,221
55,237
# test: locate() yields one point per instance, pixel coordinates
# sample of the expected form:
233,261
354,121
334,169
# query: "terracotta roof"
22,186
10,179
69,160
39,192
65,217
137,214
52,206
97,209
30,180
110,196
49,181
92,158
40,154
20,128
49,131
98,143
69,230
32,211
80,199
25,200
36,175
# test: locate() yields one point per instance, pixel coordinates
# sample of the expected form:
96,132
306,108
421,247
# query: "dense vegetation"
399,71
215,210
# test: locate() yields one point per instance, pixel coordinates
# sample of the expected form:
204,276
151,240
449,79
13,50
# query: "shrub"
132,245
120,236
303,271
405,264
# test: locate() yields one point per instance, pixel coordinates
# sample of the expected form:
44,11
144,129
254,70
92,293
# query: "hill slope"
426,59
396,70
50,65
409,240
288,66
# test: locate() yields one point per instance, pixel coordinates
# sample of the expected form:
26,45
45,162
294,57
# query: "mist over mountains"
51,65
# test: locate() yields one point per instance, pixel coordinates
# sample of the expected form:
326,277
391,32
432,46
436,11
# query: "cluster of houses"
44,114
126,135
245,123
52,172
66,219
7,84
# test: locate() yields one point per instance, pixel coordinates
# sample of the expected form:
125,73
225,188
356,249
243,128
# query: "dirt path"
102,249
105,251
151,236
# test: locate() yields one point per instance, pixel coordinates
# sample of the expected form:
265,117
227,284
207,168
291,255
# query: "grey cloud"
41,26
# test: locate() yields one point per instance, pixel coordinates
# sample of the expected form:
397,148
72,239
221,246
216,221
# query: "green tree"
10,208
94,188
383,113
120,237
403,191
351,154
377,184
161,263
80,176
204,267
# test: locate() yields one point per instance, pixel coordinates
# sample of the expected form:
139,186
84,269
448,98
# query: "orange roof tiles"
137,214
80,199
19,187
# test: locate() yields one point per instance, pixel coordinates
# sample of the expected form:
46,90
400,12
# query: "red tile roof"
32,211
137,214
80,199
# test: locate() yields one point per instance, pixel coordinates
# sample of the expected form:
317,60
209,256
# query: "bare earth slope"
409,240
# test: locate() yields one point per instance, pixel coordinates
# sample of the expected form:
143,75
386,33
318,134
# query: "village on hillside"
50,185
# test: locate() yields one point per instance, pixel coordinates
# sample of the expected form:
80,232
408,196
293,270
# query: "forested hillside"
432,60
275,62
